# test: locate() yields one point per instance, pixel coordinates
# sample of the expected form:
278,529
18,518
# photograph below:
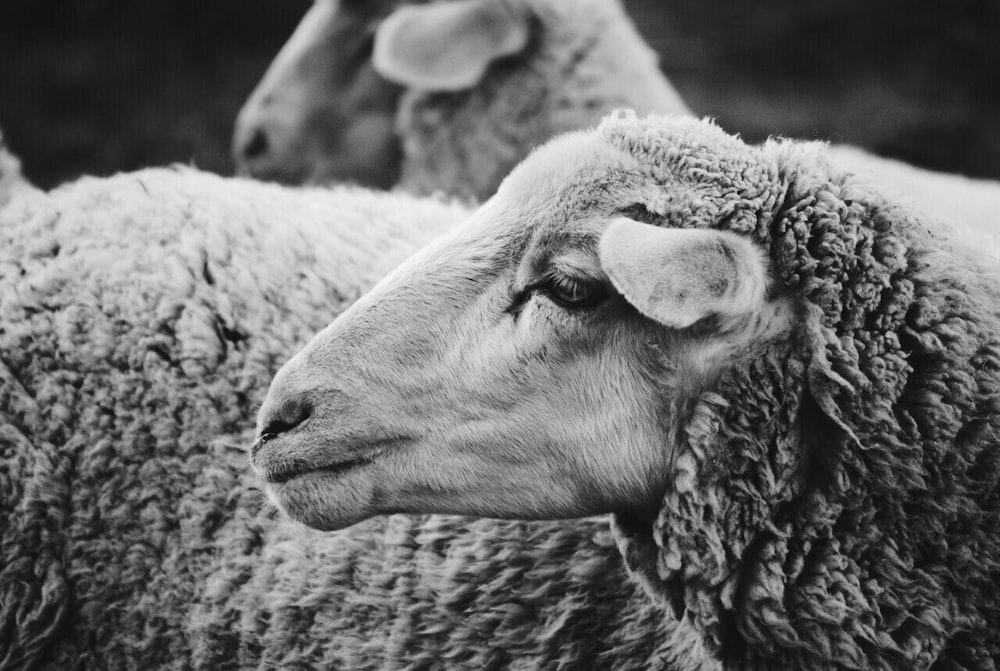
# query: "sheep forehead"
565,190
660,142
560,163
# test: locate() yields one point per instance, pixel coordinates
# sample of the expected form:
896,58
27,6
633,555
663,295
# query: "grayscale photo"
500,334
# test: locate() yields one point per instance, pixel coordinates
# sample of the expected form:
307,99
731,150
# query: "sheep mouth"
283,473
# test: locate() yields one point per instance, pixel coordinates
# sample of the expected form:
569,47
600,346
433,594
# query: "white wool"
962,209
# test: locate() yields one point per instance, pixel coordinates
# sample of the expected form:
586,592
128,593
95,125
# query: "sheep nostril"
287,417
257,146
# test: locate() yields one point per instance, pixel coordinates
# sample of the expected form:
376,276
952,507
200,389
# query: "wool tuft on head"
826,494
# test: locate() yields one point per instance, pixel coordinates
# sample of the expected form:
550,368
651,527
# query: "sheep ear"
678,276
447,46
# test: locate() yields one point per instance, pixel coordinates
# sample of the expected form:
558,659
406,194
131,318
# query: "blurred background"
99,86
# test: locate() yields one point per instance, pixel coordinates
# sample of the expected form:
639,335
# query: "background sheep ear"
447,46
678,276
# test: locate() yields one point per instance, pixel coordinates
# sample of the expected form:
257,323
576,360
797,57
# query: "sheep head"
326,108
321,112
800,452
440,96
528,364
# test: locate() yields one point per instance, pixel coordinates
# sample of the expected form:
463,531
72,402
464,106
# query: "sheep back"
143,316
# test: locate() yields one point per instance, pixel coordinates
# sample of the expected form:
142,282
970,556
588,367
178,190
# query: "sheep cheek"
611,436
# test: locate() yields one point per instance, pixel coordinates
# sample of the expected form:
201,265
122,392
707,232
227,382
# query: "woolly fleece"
144,316
961,208
432,593
835,500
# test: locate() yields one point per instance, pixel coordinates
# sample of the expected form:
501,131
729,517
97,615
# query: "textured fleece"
834,502
952,202
143,317
585,58
432,593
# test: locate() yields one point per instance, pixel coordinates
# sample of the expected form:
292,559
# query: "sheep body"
143,316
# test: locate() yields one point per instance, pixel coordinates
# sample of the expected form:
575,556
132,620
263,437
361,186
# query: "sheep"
783,385
440,96
144,315
439,107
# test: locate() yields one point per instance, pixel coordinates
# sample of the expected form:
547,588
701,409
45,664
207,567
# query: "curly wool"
431,592
949,201
144,316
834,502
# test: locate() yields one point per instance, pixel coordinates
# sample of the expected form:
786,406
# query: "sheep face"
321,112
441,95
522,366
326,108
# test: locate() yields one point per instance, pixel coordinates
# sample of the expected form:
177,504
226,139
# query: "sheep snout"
277,421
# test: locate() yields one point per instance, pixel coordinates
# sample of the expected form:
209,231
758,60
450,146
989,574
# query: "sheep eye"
567,293
573,294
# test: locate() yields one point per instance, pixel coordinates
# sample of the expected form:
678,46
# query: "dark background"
98,86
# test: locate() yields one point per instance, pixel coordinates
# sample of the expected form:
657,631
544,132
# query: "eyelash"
582,295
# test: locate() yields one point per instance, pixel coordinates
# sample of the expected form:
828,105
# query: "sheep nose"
280,418
256,146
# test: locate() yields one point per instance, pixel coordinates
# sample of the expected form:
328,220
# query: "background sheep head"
440,95
321,111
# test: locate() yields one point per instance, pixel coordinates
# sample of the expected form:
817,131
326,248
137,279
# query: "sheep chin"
328,499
